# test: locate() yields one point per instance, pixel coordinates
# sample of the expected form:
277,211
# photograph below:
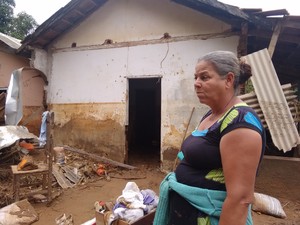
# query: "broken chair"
43,170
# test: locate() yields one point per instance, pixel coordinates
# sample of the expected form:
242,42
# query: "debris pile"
75,169
15,142
70,167
131,206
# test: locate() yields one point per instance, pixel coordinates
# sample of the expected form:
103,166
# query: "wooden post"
49,148
274,38
186,129
242,47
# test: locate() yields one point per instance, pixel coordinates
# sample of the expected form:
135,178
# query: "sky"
41,10
292,6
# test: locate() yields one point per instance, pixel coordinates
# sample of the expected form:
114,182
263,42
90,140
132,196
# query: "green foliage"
249,86
18,27
6,14
22,25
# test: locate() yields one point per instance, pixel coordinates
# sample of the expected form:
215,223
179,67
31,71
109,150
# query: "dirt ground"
277,178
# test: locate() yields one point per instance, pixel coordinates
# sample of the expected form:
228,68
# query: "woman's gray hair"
224,62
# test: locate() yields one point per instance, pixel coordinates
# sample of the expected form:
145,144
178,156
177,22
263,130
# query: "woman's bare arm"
240,153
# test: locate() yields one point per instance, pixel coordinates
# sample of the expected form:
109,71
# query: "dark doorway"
143,136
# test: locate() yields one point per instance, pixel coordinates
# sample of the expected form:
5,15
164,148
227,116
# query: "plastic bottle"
60,155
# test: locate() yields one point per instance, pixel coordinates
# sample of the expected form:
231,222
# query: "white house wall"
88,76
88,84
88,90
132,20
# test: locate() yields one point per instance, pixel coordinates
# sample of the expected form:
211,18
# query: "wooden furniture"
44,169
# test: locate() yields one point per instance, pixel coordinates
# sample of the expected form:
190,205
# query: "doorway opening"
143,134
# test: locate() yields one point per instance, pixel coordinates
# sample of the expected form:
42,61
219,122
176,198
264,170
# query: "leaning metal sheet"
272,101
10,134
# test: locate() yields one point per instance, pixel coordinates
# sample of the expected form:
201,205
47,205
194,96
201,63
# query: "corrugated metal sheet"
272,101
290,94
10,41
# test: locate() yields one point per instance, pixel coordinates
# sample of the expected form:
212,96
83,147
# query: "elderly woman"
214,181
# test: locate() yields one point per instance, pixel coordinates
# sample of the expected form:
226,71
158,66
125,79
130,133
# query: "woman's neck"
221,109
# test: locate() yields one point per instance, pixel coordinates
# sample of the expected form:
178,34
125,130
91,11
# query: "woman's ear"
230,79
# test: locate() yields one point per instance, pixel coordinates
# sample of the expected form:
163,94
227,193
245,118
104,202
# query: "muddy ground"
277,178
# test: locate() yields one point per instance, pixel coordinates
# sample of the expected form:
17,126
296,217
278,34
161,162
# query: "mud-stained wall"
32,118
98,77
32,89
155,38
95,128
175,134
33,98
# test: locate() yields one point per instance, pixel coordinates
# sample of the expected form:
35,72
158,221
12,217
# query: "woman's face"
209,86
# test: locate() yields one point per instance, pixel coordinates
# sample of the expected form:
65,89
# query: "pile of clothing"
130,206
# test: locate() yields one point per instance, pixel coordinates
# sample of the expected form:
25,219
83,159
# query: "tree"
18,27
22,25
6,14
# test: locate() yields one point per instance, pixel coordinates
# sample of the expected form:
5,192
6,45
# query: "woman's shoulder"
241,115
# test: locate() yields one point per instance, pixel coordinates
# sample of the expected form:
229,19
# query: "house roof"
260,29
77,10
287,48
230,14
11,44
64,19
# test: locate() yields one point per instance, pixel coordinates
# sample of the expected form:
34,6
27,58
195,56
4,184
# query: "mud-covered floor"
277,178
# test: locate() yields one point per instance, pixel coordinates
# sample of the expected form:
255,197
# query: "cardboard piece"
145,220
17,213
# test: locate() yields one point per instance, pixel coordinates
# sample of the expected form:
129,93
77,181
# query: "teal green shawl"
207,201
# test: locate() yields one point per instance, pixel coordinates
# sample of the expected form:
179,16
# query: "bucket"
59,155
